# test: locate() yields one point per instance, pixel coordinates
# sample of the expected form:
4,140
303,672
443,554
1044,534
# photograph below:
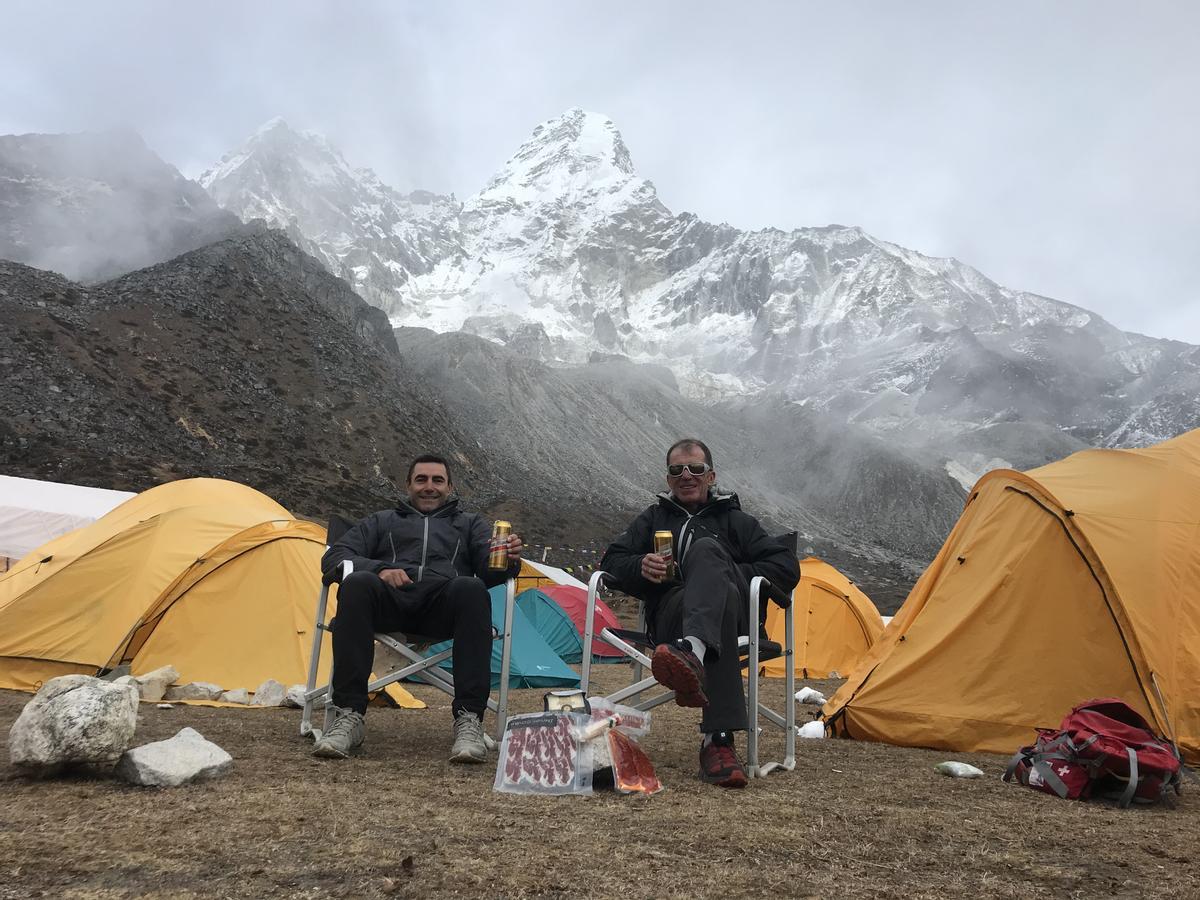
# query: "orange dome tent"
836,624
1076,580
209,576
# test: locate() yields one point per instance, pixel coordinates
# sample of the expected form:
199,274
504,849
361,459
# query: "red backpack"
1102,747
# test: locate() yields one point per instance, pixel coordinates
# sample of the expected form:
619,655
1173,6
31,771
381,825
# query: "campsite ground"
853,820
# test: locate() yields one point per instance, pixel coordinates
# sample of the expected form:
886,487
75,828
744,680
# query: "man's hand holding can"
655,566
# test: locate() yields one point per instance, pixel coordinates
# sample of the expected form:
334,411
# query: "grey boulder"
74,720
269,693
196,690
153,685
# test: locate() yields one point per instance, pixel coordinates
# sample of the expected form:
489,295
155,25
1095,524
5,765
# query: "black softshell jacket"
444,543
754,551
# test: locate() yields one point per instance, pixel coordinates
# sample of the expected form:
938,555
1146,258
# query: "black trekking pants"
713,605
456,608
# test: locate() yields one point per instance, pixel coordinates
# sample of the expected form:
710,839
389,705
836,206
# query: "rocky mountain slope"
594,436
244,359
364,232
568,251
91,206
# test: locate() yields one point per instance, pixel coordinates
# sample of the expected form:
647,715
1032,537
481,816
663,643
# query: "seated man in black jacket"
697,608
420,568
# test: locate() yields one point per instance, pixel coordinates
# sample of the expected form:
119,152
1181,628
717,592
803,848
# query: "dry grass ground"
853,820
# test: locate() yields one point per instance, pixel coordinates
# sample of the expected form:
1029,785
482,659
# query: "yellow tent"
835,623
1076,580
208,576
536,575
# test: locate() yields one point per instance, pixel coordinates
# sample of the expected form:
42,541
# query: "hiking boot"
344,737
675,666
468,739
719,763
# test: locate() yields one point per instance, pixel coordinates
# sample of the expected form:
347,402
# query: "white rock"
295,697
812,730
153,685
269,693
810,695
72,720
165,706
239,695
185,757
196,690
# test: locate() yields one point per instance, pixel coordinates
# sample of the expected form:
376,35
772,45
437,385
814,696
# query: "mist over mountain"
364,232
93,205
567,252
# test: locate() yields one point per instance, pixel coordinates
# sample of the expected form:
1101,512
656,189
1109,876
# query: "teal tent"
553,624
533,665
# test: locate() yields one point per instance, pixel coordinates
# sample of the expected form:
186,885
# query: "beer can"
498,556
662,547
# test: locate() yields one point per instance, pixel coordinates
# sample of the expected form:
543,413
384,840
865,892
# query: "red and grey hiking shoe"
719,763
675,666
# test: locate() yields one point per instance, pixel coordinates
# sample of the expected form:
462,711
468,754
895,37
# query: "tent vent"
961,560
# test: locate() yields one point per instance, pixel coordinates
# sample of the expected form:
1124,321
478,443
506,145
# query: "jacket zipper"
424,550
683,548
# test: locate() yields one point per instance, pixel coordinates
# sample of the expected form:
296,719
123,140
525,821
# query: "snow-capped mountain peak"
577,153
568,252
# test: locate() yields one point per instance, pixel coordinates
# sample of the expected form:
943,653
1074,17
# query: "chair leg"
752,724
510,593
789,656
314,659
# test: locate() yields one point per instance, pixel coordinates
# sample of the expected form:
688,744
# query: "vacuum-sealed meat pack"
541,753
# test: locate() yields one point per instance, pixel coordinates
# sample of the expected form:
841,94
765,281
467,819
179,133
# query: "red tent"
573,600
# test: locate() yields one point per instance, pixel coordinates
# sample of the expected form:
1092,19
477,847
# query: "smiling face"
690,490
428,486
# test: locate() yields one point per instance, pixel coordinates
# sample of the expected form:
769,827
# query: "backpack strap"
1131,788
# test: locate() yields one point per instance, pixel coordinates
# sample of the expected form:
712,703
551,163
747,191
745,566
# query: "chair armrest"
782,599
337,578
600,578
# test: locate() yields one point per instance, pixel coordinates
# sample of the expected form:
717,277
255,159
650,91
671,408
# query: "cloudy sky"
1054,146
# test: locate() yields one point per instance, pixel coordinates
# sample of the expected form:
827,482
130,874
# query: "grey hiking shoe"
469,746
344,737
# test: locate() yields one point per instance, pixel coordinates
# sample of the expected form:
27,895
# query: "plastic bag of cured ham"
542,753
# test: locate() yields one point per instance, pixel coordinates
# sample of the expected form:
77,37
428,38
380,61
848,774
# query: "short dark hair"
429,458
684,443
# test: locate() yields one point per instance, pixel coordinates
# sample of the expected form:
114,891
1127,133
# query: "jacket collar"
716,499
448,508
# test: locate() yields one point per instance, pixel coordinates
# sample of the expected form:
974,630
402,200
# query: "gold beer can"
662,547
498,556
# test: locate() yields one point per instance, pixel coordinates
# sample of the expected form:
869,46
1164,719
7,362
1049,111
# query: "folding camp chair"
408,646
752,649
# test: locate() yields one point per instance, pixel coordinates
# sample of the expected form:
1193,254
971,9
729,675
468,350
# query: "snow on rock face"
362,230
567,252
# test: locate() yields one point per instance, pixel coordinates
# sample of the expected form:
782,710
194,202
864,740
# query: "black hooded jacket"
721,517
445,543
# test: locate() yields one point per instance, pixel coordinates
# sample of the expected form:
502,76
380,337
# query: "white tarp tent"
33,512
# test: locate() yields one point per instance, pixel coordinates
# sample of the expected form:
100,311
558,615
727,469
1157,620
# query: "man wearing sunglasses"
697,608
